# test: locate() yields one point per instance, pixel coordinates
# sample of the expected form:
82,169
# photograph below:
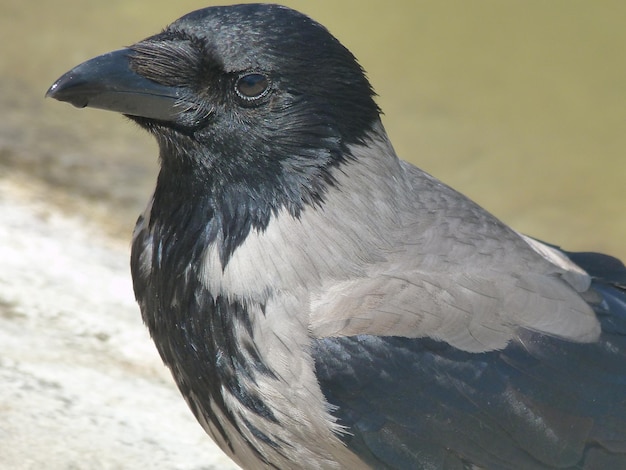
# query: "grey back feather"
393,251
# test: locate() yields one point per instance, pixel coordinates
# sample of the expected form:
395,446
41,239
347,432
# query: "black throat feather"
193,328
198,205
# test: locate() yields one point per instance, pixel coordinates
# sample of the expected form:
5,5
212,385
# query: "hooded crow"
323,304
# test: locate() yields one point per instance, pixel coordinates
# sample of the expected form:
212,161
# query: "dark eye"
252,86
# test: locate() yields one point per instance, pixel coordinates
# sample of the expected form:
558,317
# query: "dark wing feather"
540,403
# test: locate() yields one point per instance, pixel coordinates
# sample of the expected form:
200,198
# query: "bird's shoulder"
444,267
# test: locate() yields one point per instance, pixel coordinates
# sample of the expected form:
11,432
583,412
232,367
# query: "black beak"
107,82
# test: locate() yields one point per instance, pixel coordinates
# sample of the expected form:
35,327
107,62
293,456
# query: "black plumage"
322,304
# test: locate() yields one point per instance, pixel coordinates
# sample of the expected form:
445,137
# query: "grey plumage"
323,304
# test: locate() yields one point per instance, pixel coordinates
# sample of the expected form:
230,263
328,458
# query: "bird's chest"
242,362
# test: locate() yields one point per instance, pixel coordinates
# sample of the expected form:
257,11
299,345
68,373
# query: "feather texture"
323,304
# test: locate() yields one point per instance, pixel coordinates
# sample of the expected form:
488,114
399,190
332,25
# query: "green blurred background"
521,105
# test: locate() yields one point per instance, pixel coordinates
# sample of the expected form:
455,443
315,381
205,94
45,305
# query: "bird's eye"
252,86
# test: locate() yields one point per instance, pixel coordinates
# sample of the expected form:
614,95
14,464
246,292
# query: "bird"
323,304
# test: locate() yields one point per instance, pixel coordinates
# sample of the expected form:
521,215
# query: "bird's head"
254,98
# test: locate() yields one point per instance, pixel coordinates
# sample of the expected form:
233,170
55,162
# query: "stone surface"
82,386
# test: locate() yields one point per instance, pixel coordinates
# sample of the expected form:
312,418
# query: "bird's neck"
211,340
219,324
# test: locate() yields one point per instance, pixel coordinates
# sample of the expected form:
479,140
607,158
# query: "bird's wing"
471,344
471,309
457,274
540,402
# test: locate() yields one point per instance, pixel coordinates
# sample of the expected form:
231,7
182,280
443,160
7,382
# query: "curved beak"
108,82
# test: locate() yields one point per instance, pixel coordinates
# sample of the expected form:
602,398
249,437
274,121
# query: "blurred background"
521,105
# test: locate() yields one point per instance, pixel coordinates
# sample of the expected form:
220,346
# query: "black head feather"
248,157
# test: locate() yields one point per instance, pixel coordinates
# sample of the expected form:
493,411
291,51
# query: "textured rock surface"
82,386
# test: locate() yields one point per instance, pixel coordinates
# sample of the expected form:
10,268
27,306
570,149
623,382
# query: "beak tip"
56,89
52,90
65,89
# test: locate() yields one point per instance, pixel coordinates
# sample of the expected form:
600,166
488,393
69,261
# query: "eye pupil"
252,85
